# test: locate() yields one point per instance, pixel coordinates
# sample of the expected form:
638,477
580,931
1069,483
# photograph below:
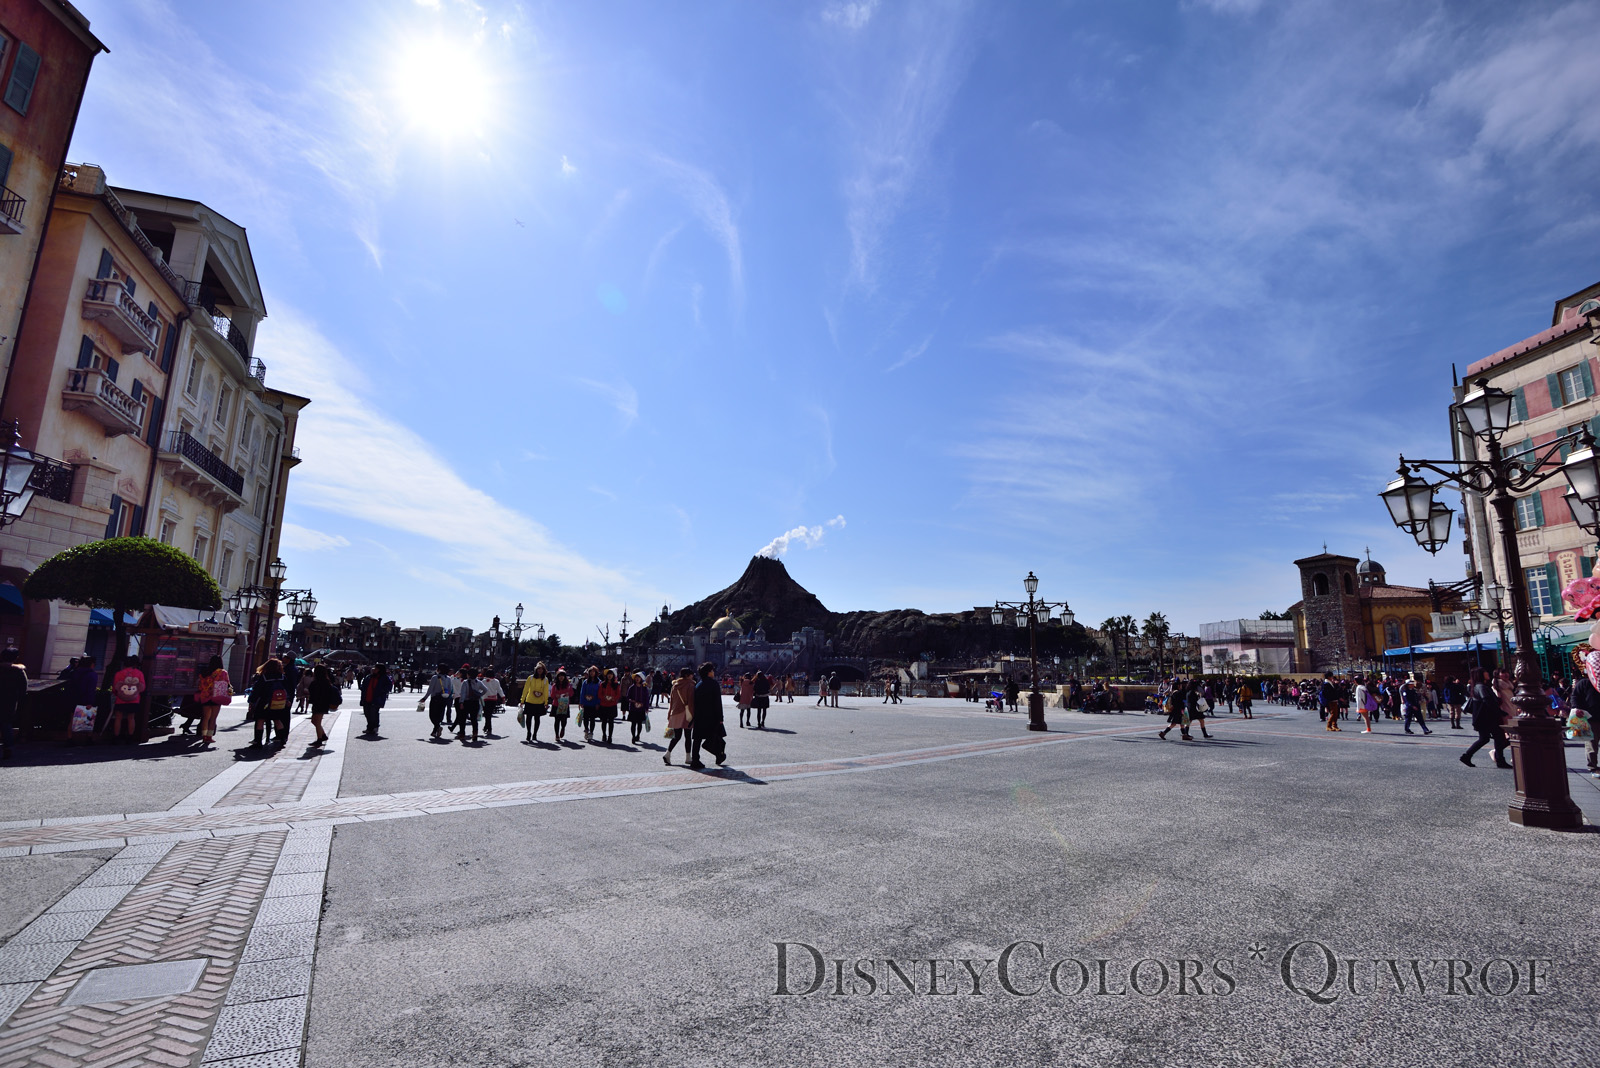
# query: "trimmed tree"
123,574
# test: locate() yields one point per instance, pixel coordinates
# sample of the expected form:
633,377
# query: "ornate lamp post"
16,472
516,630
1542,798
1030,614
263,633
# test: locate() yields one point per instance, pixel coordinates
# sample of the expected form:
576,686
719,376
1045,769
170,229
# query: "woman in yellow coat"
535,700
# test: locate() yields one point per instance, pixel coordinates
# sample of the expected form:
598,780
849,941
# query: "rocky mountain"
767,597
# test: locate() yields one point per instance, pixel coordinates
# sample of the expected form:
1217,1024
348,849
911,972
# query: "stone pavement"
463,919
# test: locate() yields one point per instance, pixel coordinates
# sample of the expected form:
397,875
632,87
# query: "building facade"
1348,613
1551,377
46,51
1248,646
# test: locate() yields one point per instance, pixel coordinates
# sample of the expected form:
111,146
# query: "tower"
1330,610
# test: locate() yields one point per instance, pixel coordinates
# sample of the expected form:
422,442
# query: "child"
127,688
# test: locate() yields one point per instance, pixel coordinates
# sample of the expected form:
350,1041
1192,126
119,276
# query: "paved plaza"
924,883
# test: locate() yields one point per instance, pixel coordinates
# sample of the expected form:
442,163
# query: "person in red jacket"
127,689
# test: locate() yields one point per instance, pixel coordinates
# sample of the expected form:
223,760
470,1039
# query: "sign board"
175,662
210,628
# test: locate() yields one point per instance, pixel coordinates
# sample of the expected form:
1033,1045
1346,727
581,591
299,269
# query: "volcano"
765,596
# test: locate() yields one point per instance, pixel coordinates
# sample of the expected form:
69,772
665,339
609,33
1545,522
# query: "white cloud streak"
619,394
710,205
306,540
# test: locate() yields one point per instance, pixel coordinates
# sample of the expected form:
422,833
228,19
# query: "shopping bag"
83,719
647,723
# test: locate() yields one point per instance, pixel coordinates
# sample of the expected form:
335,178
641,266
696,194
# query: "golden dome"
725,628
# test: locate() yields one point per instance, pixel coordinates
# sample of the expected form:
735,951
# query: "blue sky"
595,301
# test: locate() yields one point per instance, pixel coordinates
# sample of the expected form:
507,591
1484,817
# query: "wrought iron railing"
258,370
113,291
190,449
11,205
93,380
69,180
52,479
210,301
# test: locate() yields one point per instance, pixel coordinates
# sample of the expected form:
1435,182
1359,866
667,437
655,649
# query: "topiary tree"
123,574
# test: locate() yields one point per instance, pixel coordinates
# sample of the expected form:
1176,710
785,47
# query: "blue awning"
1454,645
10,600
101,617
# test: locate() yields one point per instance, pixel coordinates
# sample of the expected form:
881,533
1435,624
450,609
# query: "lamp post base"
1036,712
1539,756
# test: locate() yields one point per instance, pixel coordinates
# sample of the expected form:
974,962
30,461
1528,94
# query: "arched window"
1349,585
1391,634
1319,584
1588,306
1414,634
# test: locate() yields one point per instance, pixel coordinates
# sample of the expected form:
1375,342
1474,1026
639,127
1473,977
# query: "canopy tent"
1561,635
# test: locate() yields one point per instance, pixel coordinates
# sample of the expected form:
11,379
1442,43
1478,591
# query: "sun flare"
442,86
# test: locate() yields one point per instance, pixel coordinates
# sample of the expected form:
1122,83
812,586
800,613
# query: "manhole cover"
134,981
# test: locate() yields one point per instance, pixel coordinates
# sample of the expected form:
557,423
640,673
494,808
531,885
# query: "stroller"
996,701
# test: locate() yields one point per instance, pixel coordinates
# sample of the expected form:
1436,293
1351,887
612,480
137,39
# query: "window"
1571,385
255,448
1539,599
193,384
1414,632
244,431
223,399
1319,584
1349,585
168,530
1588,306
227,565
260,505
201,544
1523,448
1324,626
1530,512
23,74
1519,405
1391,634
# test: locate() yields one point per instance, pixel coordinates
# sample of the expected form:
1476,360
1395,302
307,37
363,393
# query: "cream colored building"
134,367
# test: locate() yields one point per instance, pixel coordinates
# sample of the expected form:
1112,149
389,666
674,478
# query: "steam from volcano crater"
809,537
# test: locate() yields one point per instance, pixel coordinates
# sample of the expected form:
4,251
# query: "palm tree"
1127,627
1156,629
1112,629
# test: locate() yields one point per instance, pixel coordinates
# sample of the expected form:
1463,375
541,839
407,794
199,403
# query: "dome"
725,628
1369,566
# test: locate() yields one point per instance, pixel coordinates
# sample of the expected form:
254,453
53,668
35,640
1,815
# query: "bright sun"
441,86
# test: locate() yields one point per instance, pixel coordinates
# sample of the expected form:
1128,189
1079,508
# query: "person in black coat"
1488,719
1585,697
707,728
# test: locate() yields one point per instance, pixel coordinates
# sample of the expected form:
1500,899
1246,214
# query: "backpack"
278,698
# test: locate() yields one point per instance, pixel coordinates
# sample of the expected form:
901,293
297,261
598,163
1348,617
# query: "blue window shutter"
1553,576
111,368
130,285
107,264
116,514
23,74
170,347
136,525
1519,405
153,434
1538,508
5,164
1554,382
86,352
1586,566
153,314
1588,378
138,390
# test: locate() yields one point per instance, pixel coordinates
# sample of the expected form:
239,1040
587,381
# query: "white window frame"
191,386
1527,517
1571,382
168,529
1540,595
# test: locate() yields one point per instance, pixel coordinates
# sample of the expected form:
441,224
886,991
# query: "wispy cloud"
709,202
361,464
910,354
619,394
567,168
306,540
851,14
806,537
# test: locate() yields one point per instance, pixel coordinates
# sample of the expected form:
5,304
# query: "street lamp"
1030,614
1542,797
16,471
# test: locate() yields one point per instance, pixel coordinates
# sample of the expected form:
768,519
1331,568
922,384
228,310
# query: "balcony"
187,462
208,300
11,206
108,302
52,479
91,392
258,370
1530,541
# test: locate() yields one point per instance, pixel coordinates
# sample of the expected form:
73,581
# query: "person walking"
747,696
1366,702
1246,697
1199,708
322,693
1013,691
302,691
269,705
610,698
707,729
833,688
1488,719
760,698
436,698
535,700
375,689
638,698
589,702
822,690
1412,706
494,698
561,697
1177,709
214,691
680,714
469,702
